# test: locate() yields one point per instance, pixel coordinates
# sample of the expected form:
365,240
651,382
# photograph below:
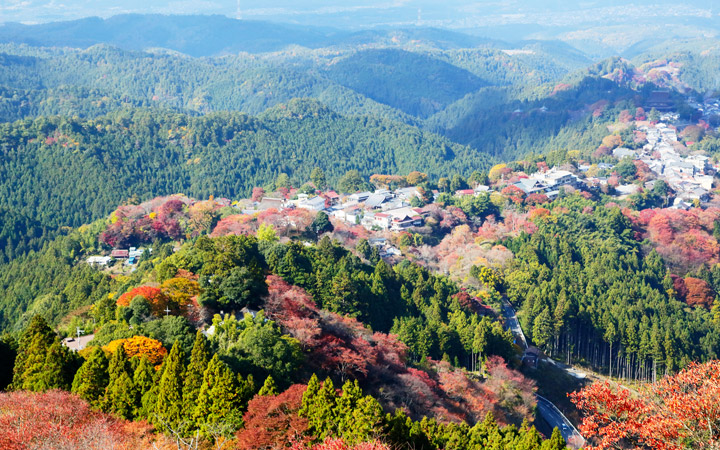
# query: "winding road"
545,408
557,419
511,321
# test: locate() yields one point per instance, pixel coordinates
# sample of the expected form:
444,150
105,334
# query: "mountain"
192,35
201,35
416,84
49,164
410,85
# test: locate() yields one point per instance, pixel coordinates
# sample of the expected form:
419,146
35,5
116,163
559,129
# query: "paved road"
511,321
556,419
546,409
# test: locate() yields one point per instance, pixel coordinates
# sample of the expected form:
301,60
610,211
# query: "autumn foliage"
679,412
272,421
694,291
141,346
286,223
683,238
343,347
60,420
339,444
175,294
160,218
154,295
461,249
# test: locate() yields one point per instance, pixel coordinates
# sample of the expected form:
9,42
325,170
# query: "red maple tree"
271,421
679,412
60,420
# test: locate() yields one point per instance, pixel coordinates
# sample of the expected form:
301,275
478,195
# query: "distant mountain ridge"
193,35
202,35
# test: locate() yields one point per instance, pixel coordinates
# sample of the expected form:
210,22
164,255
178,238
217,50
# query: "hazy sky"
359,13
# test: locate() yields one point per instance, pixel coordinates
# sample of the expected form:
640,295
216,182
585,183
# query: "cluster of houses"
691,177
548,182
379,210
131,257
709,108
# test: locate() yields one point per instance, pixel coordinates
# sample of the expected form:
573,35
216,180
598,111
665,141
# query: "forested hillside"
324,313
416,84
398,78
588,289
20,234
49,165
277,236
119,77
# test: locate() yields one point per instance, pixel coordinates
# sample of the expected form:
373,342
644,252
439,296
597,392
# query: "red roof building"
120,253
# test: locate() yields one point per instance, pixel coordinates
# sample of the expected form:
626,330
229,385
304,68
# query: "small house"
100,261
120,254
314,204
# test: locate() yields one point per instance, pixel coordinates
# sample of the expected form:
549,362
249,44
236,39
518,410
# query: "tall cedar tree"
268,388
92,378
556,442
42,363
145,381
318,405
359,418
199,358
170,408
218,402
120,393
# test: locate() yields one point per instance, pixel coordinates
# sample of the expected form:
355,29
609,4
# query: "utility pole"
78,331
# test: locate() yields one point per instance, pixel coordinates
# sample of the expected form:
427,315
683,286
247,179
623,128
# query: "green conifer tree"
120,393
199,358
345,407
169,411
59,369
218,401
144,379
556,442
268,388
92,379
480,433
319,406
39,354
528,438
246,390
367,420
308,399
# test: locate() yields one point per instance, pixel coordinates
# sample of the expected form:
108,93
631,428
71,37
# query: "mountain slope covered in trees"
48,164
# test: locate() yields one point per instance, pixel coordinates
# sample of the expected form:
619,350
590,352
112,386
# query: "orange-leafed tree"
140,346
679,412
699,293
612,141
514,193
154,295
415,178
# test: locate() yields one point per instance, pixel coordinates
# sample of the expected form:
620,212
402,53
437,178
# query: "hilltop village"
656,170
